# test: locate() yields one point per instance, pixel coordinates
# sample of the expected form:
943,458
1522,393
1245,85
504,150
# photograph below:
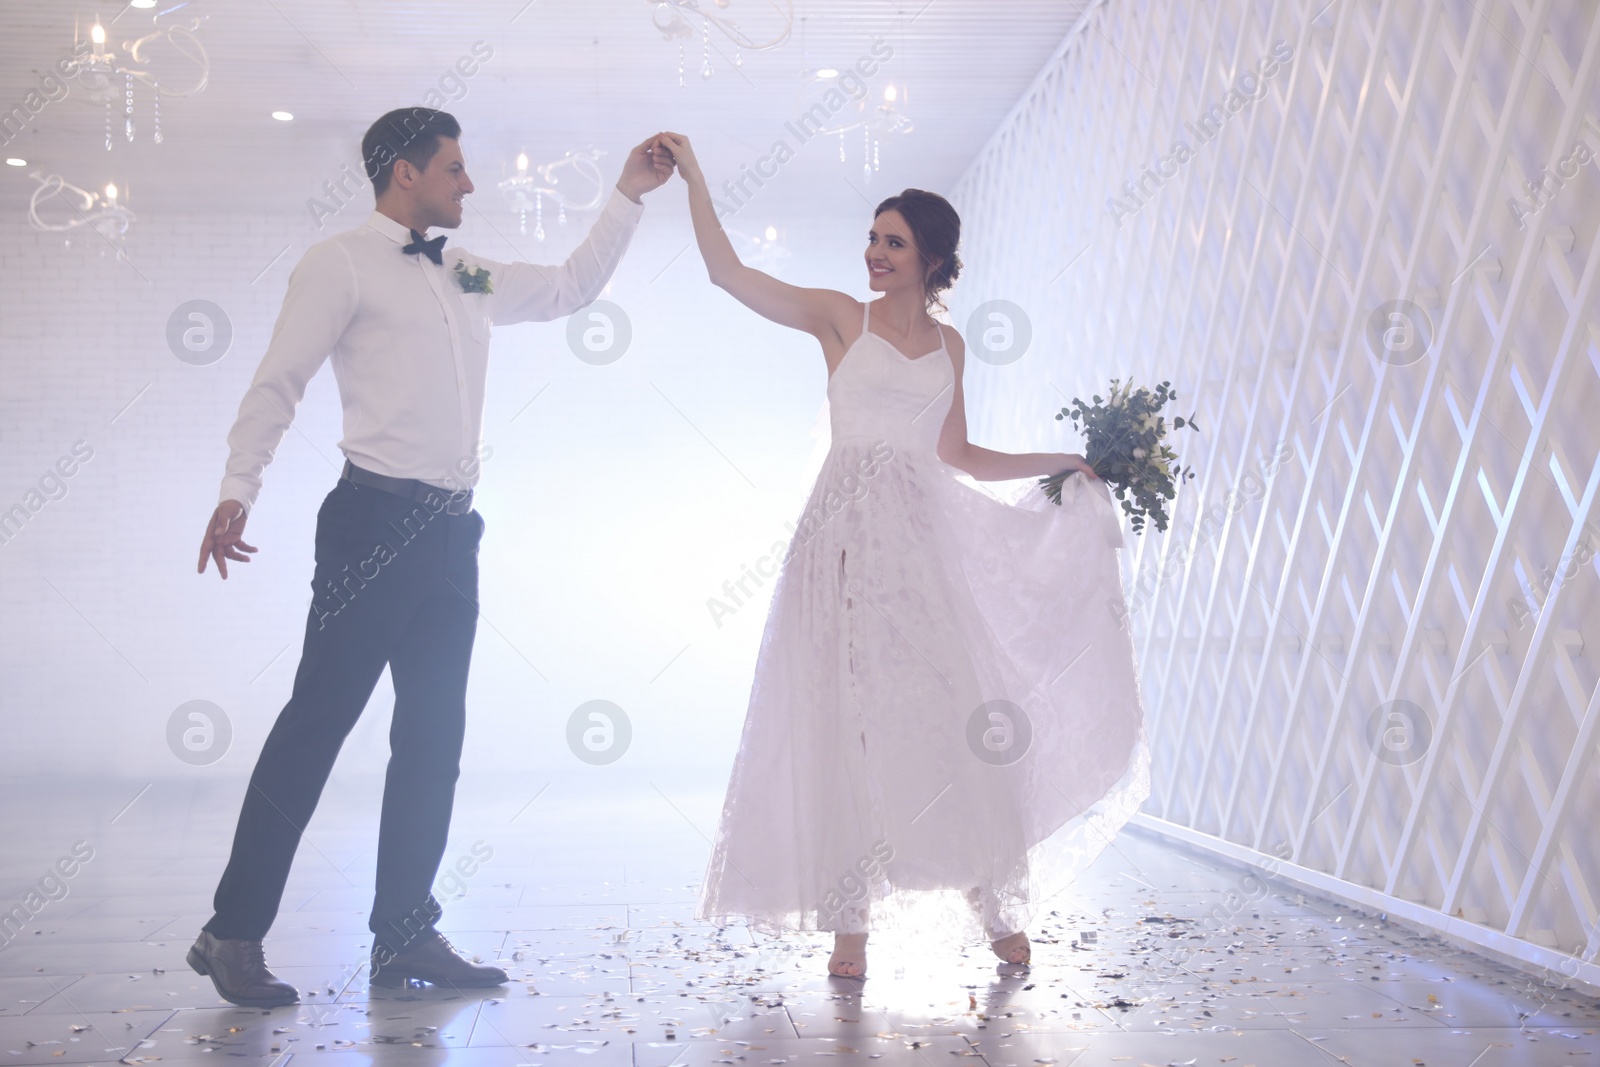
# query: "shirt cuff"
620,204
237,489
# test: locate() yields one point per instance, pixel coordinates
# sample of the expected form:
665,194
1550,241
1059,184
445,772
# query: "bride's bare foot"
849,959
1013,948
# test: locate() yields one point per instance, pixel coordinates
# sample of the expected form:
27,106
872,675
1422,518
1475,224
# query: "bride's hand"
1071,461
683,155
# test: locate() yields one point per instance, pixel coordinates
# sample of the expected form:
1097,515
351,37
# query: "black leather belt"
458,503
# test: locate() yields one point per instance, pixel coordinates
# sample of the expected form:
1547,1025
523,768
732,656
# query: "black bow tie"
426,247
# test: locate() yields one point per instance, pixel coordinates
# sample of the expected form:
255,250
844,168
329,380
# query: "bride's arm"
985,464
816,311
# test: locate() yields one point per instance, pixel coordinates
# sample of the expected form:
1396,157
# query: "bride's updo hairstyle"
936,228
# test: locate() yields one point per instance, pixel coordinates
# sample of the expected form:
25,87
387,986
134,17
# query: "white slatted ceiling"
564,73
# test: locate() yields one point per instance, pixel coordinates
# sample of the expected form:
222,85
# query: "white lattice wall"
1371,631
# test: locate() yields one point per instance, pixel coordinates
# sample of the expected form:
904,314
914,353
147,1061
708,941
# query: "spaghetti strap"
866,309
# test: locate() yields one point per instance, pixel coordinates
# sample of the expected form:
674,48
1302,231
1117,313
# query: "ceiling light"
526,190
109,76
283,116
107,213
827,72
15,162
141,3
673,19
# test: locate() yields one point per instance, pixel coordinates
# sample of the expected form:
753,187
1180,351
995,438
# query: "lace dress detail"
945,725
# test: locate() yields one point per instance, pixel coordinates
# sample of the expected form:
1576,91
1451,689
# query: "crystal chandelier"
107,211
877,120
674,18
526,190
109,76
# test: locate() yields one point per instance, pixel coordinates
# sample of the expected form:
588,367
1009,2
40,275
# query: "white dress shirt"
409,346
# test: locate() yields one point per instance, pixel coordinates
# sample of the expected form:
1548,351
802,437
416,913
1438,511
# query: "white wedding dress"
945,723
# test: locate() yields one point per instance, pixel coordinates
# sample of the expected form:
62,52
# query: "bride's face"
893,261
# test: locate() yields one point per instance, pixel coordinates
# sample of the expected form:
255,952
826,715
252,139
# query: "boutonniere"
475,281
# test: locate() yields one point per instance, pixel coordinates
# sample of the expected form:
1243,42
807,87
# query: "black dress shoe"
432,959
238,969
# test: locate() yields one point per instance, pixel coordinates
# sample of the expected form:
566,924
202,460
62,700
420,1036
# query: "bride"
945,724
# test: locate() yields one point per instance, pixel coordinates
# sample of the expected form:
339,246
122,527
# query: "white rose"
1138,453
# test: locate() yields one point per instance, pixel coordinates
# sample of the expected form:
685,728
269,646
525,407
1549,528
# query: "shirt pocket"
476,310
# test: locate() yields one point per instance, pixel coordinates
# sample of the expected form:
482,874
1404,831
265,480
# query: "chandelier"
526,190
674,18
109,76
106,211
877,120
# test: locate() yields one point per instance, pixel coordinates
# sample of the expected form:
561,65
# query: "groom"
407,323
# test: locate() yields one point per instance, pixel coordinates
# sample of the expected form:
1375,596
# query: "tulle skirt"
945,725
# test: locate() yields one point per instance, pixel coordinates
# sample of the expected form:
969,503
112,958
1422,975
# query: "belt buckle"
456,503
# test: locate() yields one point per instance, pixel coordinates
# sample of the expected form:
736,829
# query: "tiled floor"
588,902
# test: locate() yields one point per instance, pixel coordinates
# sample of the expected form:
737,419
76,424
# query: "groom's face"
442,184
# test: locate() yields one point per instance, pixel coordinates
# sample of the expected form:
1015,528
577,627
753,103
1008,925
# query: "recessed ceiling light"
141,3
282,116
15,162
827,72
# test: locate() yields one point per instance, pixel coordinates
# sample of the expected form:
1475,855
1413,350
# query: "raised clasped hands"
648,167
683,154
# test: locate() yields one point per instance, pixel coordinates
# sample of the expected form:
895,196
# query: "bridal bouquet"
1125,438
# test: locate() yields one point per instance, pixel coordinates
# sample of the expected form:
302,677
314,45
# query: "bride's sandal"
849,959
1013,948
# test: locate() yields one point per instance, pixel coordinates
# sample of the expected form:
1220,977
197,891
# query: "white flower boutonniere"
476,281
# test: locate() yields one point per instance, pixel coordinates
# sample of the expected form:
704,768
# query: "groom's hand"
224,538
648,167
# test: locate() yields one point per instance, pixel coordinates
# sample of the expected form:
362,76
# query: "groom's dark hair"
408,133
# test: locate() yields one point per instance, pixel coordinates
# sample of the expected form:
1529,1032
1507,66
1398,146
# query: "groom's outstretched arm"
532,292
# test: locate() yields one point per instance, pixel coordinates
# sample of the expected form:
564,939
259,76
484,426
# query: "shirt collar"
388,227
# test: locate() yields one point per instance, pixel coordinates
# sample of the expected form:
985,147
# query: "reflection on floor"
1154,957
